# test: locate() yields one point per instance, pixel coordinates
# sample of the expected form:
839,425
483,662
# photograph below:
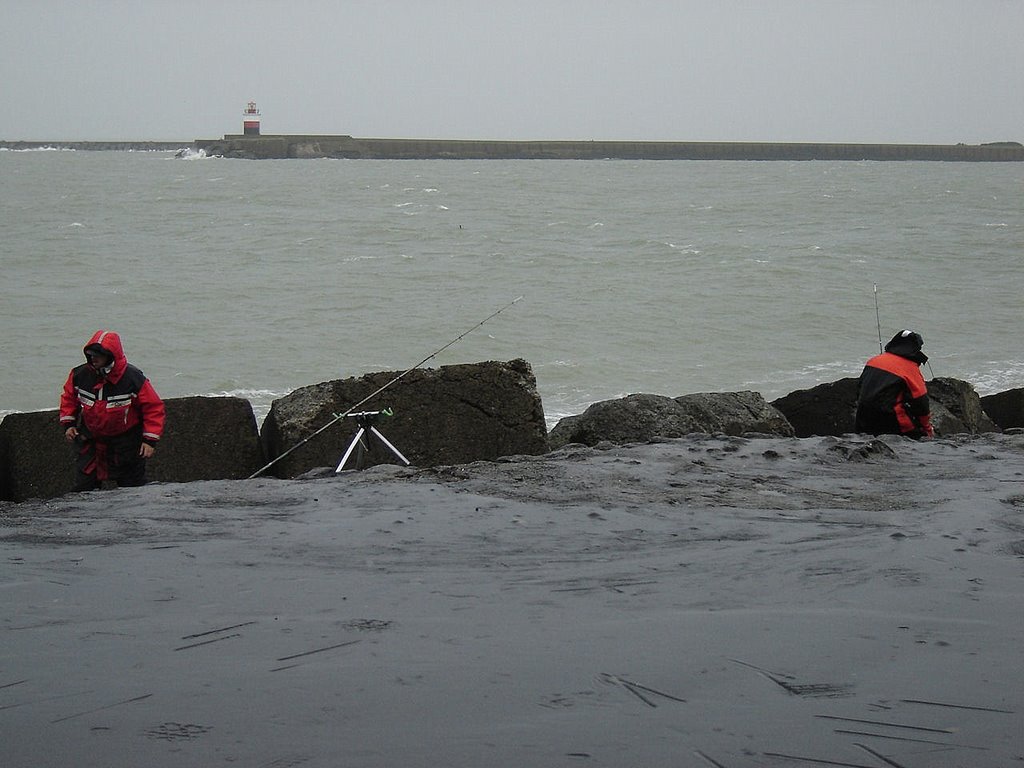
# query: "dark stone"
37,462
735,413
956,408
631,419
1006,409
830,409
827,409
206,438
454,414
643,417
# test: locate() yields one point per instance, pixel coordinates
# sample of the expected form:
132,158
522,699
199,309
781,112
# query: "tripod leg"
361,454
389,445
351,446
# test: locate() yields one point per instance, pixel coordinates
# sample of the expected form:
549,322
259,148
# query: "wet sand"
706,601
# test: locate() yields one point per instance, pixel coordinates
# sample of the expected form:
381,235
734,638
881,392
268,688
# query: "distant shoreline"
348,147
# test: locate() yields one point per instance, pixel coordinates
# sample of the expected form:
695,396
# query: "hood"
110,343
908,344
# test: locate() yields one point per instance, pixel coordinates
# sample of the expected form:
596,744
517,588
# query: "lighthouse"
251,120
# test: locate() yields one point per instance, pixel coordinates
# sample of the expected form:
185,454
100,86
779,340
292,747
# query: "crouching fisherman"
893,398
110,410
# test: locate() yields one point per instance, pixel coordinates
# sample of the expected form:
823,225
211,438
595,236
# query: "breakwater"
319,146
269,147
98,146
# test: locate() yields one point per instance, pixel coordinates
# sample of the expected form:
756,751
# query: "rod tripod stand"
366,421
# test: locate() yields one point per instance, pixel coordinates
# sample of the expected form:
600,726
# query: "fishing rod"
339,416
878,320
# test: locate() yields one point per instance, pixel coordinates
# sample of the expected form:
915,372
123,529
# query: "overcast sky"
919,71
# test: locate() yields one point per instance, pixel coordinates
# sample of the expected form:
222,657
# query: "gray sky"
918,71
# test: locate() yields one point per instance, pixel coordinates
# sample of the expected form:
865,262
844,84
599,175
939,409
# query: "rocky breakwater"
453,415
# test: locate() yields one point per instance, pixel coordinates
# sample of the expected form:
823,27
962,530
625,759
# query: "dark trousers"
874,422
116,457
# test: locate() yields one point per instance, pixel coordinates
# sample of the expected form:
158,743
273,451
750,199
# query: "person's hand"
146,450
70,434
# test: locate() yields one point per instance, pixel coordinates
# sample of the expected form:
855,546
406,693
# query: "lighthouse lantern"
251,120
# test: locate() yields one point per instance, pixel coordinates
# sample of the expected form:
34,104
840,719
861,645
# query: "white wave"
38,149
1000,377
187,153
248,394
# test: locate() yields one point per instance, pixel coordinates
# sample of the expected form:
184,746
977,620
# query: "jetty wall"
319,146
98,146
343,146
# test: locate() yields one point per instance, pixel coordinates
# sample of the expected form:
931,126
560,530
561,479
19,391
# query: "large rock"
830,409
642,417
956,408
206,438
454,414
1006,409
827,409
735,413
35,459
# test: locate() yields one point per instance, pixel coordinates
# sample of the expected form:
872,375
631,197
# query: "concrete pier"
319,146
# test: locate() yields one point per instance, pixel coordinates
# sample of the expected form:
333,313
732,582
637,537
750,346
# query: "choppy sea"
254,278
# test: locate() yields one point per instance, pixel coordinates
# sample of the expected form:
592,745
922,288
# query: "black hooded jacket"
893,397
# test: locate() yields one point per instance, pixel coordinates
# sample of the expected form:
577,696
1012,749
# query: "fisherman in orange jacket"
112,412
893,398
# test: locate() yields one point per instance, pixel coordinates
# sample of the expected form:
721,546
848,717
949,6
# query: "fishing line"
878,320
339,416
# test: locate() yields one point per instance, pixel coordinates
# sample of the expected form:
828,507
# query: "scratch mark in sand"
880,756
816,760
215,631
100,709
710,760
208,642
762,670
885,724
636,688
318,650
958,706
907,738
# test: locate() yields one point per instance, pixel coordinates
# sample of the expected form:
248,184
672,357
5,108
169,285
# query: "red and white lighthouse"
251,120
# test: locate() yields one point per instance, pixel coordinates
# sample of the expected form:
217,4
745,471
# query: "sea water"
254,278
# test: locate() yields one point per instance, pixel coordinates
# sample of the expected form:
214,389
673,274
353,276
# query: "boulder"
830,409
956,408
642,417
735,413
1006,409
827,409
206,438
35,459
454,414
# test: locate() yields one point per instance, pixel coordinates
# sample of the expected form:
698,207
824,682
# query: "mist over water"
672,277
